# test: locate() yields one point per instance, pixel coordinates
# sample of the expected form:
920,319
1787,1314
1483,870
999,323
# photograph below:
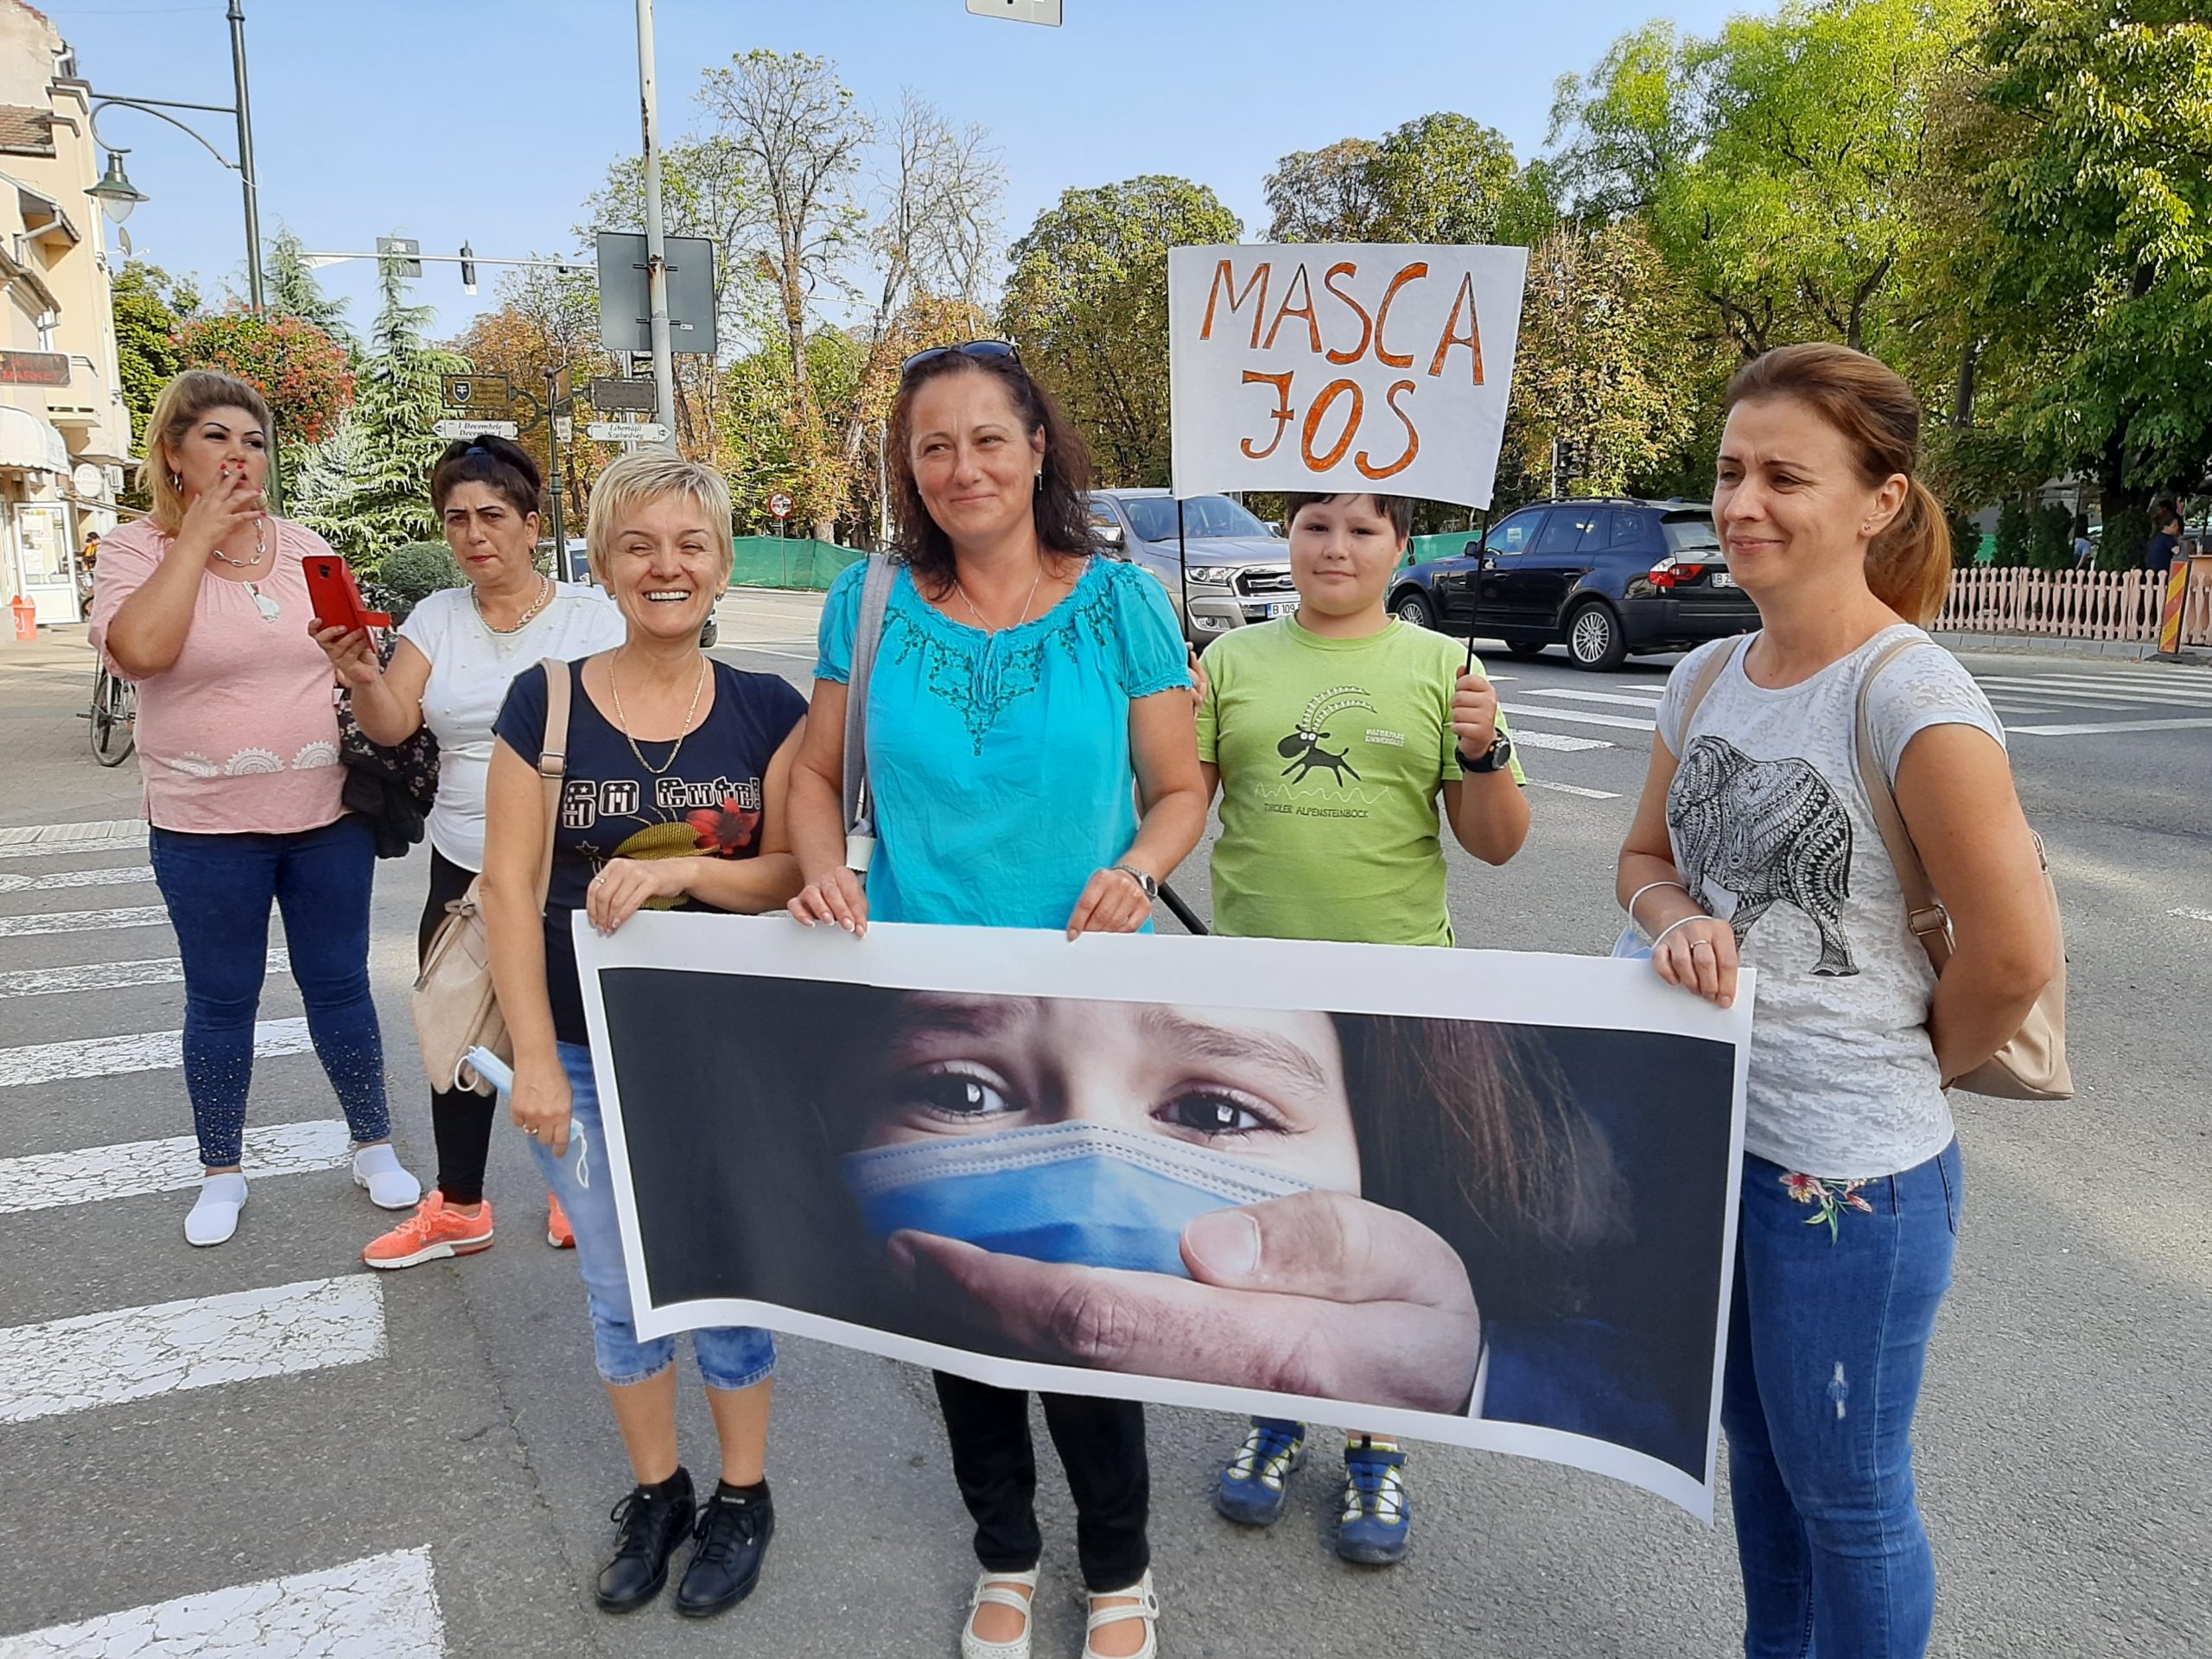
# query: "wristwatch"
1500,755
1150,883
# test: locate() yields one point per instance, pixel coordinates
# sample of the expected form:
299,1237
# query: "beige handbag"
2033,1064
455,1008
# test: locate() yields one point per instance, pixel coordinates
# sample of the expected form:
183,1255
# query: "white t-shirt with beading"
471,668
1772,829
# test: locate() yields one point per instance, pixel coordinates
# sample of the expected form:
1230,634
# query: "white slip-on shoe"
390,1186
991,1592
1145,1605
214,1216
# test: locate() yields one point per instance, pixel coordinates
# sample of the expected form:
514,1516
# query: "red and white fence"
2123,604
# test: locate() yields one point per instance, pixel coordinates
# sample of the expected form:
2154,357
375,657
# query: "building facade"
65,430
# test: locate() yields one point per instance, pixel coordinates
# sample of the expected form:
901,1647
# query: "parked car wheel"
1594,638
1413,607
1526,647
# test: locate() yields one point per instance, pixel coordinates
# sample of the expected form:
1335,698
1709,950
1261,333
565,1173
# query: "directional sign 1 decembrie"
450,430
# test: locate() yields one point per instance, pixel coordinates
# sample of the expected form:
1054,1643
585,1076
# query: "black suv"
1603,578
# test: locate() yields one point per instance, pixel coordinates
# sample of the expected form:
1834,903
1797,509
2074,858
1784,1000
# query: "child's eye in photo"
1213,1112
948,1095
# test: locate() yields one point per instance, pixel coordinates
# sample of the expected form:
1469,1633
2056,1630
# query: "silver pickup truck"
1237,568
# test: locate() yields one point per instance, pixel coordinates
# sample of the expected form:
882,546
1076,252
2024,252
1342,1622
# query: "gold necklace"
545,598
1026,603
260,549
622,721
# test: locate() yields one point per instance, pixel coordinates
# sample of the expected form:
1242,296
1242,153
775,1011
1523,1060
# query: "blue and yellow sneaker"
1251,1490
1377,1521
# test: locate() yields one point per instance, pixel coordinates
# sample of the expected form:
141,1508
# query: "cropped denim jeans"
1827,1336
730,1356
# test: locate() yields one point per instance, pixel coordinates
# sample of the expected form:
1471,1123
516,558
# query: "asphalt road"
444,1478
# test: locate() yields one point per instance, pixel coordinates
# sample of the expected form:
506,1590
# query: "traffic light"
468,268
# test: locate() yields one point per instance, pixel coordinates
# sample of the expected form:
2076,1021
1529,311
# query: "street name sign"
627,432
451,429
613,394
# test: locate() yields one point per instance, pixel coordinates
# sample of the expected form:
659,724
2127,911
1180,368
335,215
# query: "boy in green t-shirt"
1330,734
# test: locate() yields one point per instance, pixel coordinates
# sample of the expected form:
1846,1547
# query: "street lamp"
115,192
116,195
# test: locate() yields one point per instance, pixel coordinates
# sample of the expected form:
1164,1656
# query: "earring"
176,481
1040,481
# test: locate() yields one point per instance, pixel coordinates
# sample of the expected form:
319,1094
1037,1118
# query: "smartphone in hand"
337,597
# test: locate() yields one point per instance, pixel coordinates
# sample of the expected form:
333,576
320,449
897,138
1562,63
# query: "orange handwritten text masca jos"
1342,366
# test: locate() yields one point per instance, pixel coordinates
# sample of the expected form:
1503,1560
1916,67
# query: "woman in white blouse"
457,652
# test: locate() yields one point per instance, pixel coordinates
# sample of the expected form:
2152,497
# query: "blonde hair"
183,402
1909,565
645,476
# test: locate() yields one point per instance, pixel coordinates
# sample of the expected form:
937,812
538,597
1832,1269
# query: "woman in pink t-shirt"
204,605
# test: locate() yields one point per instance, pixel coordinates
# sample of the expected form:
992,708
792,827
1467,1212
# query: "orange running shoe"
431,1232
558,1233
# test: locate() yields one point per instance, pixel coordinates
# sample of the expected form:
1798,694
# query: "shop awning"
29,444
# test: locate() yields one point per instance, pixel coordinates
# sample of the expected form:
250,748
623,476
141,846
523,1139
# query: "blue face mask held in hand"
1081,1193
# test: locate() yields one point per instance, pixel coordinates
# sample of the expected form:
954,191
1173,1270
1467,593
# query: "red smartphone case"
337,597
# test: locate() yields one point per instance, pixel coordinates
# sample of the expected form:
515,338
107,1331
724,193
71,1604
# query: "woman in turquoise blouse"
1027,695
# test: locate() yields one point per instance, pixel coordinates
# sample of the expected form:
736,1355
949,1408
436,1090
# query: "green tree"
1605,356
1448,178
1087,302
386,500
149,307
289,283
2097,262
1326,195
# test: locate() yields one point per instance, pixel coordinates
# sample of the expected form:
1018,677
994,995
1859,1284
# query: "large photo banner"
1480,1197
1342,367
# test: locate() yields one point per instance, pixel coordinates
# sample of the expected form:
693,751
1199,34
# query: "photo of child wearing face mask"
1406,1212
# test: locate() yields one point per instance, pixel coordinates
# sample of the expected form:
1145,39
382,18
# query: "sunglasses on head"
973,348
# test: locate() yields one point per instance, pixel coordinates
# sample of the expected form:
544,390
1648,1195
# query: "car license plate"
1722,579
1281,606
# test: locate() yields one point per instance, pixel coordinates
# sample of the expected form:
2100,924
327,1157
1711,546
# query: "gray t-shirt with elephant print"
1772,831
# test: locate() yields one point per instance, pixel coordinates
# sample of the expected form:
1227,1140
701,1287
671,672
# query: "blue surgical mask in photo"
1085,1194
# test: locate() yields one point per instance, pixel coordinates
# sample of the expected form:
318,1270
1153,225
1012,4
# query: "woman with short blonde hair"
676,776
204,605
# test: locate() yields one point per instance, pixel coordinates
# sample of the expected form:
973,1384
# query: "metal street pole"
246,160
656,238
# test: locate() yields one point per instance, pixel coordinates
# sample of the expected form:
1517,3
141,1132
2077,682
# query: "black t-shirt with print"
612,807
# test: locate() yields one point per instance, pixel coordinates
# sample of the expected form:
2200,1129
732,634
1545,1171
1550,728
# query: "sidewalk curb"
2037,645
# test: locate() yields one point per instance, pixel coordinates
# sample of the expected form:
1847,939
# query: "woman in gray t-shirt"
1754,843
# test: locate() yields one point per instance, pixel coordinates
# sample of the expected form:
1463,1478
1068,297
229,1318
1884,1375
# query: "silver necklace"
1026,603
622,720
260,549
545,598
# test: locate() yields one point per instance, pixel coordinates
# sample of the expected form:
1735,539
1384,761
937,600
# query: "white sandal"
1146,1607
991,1592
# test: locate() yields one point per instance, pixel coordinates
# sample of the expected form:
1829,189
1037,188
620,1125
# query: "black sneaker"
733,1535
648,1523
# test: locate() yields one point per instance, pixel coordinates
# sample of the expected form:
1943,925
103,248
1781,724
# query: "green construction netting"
789,562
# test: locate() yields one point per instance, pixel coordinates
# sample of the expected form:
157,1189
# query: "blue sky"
492,119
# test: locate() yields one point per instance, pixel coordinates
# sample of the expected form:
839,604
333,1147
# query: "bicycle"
114,715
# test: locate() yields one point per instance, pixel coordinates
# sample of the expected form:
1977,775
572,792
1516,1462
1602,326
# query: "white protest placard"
1342,366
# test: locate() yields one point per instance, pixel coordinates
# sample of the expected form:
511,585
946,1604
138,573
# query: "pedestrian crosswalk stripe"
65,836
384,1604
1574,789
84,921
1624,698
2131,690
90,1360
2191,913
110,975
145,1050
1559,740
132,1169
2110,726
50,850
126,875
1576,717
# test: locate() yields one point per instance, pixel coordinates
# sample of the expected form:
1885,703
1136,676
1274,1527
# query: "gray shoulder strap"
867,634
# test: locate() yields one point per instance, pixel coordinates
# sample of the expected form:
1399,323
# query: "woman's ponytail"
1909,565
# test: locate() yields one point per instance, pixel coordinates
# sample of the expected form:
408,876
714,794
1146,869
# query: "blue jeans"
218,889
1827,1336
730,1356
